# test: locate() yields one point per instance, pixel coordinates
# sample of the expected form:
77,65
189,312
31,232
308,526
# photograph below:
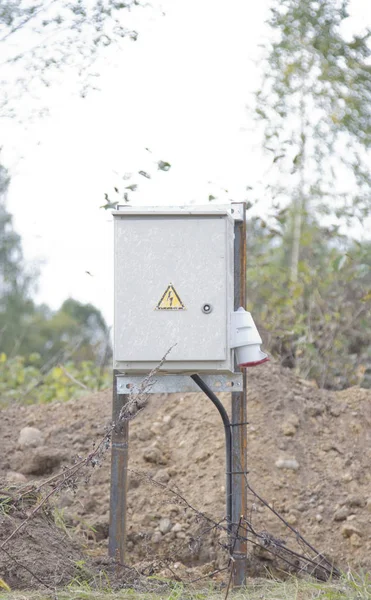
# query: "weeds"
351,586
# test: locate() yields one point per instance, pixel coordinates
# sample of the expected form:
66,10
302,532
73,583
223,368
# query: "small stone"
154,455
144,435
157,537
347,477
30,437
156,428
355,501
291,519
355,540
42,461
14,477
201,456
348,530
177,527
288,429
133,482
335,410
341,514
166,419
356,427
290,425
208,568
181,535
165,525
319,518
162,476
315,410
368,504
287,463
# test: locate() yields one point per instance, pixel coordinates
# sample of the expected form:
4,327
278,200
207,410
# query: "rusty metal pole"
239,415
119,470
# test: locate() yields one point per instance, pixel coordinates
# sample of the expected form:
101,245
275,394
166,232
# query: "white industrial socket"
246,340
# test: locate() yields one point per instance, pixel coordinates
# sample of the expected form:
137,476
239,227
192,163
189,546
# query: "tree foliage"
319,324
309,284
25,382
315,105
75,330
42,41
15,282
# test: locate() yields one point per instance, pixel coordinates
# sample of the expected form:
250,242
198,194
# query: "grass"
349,587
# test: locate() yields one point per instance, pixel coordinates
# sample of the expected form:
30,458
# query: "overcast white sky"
182,91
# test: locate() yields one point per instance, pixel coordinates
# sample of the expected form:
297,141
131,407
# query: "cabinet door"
168,271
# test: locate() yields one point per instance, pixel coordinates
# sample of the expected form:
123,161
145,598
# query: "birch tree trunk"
299,202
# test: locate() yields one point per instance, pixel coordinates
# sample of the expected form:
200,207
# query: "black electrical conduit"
228,442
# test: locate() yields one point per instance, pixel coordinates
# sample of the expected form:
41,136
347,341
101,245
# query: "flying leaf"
108,205
163,165
144,174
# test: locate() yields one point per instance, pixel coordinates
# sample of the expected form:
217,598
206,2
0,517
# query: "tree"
315,106
320,325
15,282
39,40
76,330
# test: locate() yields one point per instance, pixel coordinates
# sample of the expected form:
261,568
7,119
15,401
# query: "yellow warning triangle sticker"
170,300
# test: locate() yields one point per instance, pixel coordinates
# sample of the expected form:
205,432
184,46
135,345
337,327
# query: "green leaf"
163,165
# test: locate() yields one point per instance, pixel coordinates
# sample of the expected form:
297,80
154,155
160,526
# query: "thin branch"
73,379
31,16
295,531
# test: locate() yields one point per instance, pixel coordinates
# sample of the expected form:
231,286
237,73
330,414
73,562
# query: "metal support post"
239,416
119,470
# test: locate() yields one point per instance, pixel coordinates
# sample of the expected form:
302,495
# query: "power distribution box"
174,288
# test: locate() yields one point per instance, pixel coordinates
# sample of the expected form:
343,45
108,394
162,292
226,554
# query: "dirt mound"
309,455
40,553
